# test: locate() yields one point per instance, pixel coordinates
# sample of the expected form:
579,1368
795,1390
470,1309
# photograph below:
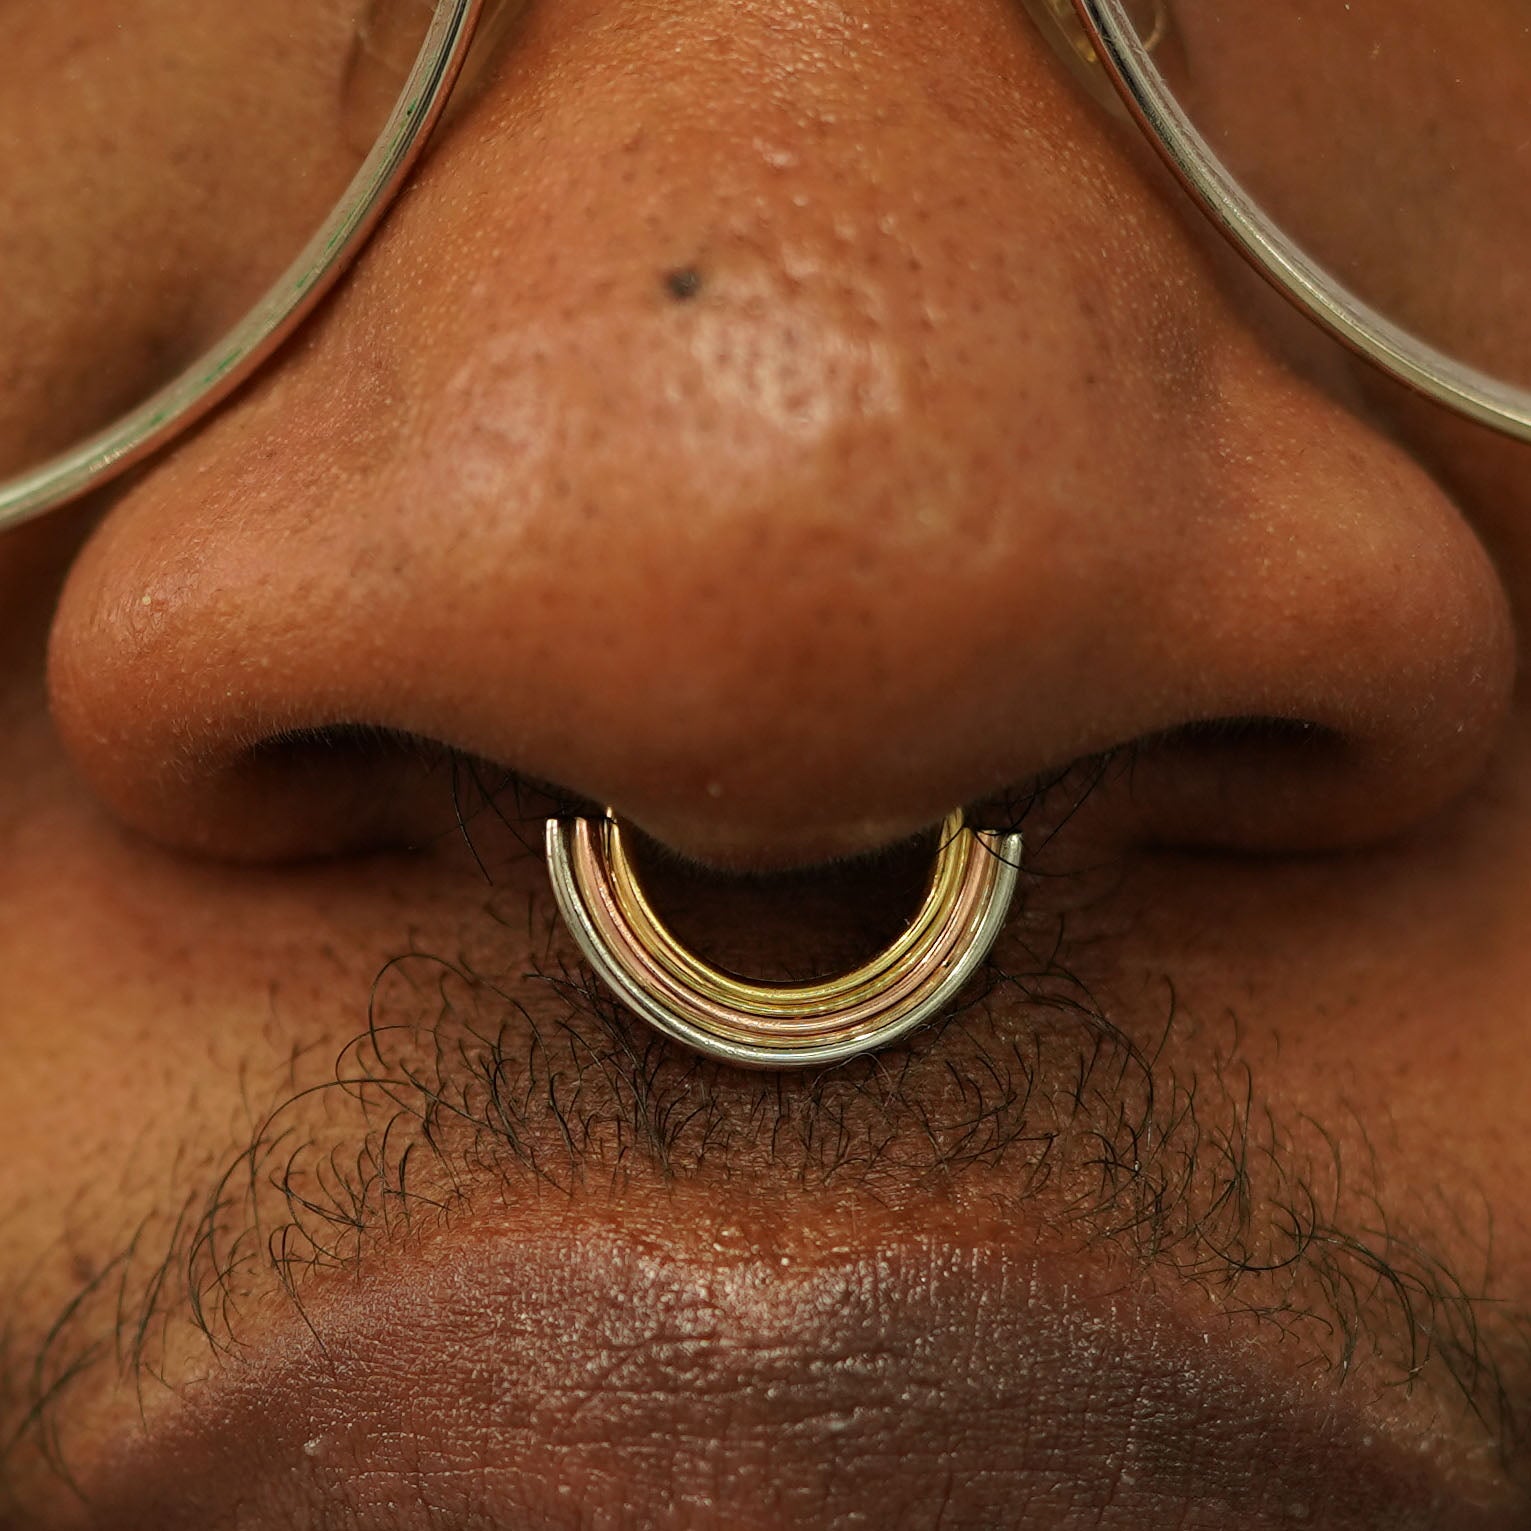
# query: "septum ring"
782,1025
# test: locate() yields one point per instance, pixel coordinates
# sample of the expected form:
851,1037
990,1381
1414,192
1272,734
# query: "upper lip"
749,1339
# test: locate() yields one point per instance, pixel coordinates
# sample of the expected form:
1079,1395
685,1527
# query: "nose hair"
782,428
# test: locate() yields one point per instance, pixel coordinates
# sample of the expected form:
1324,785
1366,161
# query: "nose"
785,423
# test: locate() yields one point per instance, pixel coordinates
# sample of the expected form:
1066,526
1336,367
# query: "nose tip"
783,488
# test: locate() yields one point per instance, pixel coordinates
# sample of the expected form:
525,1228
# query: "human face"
782,423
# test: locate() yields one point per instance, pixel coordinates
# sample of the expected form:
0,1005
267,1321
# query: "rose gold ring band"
782,1025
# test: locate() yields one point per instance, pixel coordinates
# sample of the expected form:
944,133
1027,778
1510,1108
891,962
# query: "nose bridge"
772,373
783,423
826,300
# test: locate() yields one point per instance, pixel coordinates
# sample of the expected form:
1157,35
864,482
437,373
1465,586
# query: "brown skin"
783,423
140,222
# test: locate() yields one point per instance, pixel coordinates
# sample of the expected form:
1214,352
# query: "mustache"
505,1070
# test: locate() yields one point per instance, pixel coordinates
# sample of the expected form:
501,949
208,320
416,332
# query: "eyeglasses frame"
1120,53
1126,60
208,380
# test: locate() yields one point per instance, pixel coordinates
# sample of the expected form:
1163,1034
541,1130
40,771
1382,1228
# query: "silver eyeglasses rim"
219,370
1126,61
1349,318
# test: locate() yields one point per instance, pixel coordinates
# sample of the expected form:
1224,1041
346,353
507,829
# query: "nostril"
1214,735
339,745
360,787
1263,783
310,792
356,788
1225,748
1239,783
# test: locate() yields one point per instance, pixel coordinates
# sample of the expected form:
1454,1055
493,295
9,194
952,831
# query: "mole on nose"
784,485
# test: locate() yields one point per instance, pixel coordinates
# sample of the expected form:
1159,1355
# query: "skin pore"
782,423
140,227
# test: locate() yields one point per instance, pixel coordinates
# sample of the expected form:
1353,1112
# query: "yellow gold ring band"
782,1025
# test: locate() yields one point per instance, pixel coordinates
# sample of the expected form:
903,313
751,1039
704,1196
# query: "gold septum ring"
782,1025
